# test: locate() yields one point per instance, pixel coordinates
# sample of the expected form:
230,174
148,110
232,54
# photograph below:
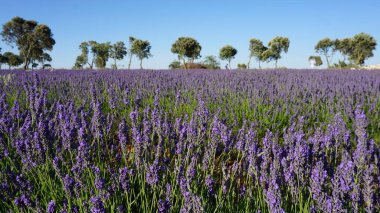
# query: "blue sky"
213,23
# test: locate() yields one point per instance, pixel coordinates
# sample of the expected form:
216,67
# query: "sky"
214,23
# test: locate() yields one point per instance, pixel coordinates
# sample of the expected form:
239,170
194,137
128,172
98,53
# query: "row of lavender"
190,141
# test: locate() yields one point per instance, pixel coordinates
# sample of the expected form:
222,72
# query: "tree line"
35,40
94,53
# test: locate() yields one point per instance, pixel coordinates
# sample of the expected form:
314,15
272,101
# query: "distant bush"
242,66
194,66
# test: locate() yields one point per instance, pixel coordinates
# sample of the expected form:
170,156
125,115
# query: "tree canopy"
362,48
12,59
117,52
31,38
315,61
141,49
211,62
227,52
100,53
256,49
175,65
277,46
186,47
327,48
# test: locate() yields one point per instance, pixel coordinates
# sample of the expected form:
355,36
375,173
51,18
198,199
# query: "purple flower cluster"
190,141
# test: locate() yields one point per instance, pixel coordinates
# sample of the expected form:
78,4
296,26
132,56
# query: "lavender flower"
209,182
51,207
97,205
23,201
124,180
318,176
163,205
368,189
152,176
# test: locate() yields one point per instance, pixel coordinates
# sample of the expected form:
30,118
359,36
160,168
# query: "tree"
278,45
211,62
141,49
101,53
13,60
227,53
363,46
268,55
327,48
242,66
315,61
117,52
130,54
345,47
175,65
256,49
80,61
29,36
186,47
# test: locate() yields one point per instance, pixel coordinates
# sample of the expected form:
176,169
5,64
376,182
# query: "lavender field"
190,141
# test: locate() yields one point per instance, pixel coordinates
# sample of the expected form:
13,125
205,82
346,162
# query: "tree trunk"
249,62
229,64
327,61
141,63
26,58
26,64
276,64
130,61
115,64
184,63
92,64
259,65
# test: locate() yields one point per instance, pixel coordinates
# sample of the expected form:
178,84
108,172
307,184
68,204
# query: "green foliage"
242,66
344,65
141,49
46,66
256,49
100,54
227,53
356,49
278,45
211,62
175,65
316,60
12,59
345,47
326,47
117,52
80,61
268,55
186,47
31,38
362,48
196,66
